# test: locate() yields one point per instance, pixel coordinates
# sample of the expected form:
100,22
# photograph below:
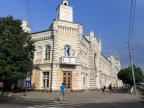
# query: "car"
141,86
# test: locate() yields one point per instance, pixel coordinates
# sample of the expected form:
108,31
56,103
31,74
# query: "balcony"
67,60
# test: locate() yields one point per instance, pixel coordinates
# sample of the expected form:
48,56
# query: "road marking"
30,107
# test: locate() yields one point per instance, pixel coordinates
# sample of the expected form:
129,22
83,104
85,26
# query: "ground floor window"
45,79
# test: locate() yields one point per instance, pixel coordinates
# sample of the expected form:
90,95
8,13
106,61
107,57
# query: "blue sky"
109,20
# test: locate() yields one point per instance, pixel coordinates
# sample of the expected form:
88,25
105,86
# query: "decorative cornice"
42,35
40,32
42,38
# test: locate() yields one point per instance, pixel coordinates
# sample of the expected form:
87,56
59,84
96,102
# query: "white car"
141,86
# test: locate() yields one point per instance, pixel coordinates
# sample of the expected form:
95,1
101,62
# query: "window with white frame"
47,52
67,51
45,79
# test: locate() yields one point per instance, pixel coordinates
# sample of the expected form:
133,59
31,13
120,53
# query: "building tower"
64,11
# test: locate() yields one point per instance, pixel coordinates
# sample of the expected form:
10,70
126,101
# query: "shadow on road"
141,93
112,105
17,100
47,104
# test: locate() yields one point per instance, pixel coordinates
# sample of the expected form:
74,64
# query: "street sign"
27,83
28,74
28,79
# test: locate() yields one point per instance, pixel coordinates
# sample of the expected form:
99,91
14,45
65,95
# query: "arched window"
95,60
38,53
67,51
47,52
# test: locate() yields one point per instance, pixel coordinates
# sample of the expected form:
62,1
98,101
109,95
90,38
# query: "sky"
109,19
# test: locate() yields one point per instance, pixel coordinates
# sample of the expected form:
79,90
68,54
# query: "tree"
126,75
16,51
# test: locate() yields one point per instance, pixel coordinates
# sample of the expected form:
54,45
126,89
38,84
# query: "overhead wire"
28,8
131,24
30,13
124,42
118,44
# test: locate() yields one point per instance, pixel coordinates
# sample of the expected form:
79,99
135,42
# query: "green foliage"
126,75
16,51
143,79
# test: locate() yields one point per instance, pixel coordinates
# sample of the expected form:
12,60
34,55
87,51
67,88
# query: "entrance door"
67,79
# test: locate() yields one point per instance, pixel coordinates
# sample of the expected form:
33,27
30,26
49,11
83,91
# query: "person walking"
12,87
104,88
110,88
1,87
62,92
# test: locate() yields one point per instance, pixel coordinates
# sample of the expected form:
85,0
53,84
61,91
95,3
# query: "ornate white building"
65,54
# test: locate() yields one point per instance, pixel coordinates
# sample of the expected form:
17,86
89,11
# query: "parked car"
141,86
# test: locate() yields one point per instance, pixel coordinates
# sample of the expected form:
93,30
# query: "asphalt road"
6,102
10,103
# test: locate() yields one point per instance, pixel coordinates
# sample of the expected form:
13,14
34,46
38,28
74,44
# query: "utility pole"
131,23
131,63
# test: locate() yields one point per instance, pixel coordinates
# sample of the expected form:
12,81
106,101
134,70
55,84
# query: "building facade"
64,54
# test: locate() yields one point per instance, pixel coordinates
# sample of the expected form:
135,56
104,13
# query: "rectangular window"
84,80
45,79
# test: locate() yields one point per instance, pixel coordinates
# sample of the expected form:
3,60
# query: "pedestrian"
110,88
104,88
1,87
12,88
62,92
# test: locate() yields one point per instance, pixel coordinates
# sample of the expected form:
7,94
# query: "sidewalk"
85,97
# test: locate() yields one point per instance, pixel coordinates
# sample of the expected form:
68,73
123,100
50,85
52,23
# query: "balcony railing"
68,60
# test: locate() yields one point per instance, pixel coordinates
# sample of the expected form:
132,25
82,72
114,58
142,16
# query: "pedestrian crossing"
30,103
55,104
